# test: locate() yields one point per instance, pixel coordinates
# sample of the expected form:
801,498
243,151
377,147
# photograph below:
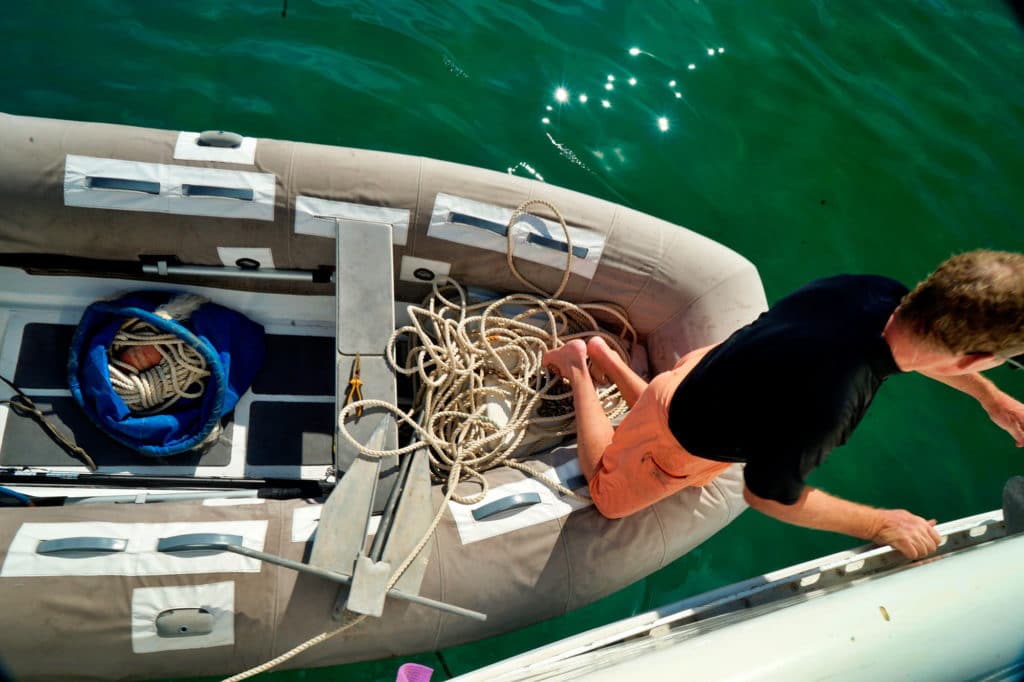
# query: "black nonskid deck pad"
43,360
290,434
297,365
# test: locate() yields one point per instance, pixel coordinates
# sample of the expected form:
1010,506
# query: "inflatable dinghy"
209,560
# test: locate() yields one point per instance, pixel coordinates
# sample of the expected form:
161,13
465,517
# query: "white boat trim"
594,650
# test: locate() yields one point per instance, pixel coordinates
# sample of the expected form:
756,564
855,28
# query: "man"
784,391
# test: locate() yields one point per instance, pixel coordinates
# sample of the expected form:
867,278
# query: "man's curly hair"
972,303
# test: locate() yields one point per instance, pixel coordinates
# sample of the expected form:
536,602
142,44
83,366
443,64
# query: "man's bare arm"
910,534
1002,408
979,387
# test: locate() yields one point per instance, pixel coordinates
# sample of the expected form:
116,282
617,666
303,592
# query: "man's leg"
609,363
593,428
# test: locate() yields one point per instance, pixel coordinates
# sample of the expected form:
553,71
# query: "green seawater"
812,136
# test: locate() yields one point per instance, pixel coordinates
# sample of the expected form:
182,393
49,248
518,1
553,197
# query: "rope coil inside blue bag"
157,370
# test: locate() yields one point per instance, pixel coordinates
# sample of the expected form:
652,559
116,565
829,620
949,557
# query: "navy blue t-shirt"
784,391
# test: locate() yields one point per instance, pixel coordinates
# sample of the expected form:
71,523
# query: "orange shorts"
644,462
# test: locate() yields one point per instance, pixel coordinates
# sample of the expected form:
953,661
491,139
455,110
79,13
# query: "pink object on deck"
414,672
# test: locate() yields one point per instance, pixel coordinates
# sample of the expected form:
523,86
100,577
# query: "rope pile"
468,354
150,369
472,356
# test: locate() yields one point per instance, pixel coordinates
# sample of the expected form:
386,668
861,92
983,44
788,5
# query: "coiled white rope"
465,360
180,372
471,356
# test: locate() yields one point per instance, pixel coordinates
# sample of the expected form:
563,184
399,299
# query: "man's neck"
914,354
907,350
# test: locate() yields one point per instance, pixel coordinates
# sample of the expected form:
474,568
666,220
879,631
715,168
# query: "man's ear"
971,360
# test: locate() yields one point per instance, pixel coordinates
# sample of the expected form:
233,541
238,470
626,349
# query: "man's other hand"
908,533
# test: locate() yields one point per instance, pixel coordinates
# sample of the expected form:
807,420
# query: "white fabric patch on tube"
551,506
316,217
163,188
306,519
187,148
149,602
525,229
139,558
229,255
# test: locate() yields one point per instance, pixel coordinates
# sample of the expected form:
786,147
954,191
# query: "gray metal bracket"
368,589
